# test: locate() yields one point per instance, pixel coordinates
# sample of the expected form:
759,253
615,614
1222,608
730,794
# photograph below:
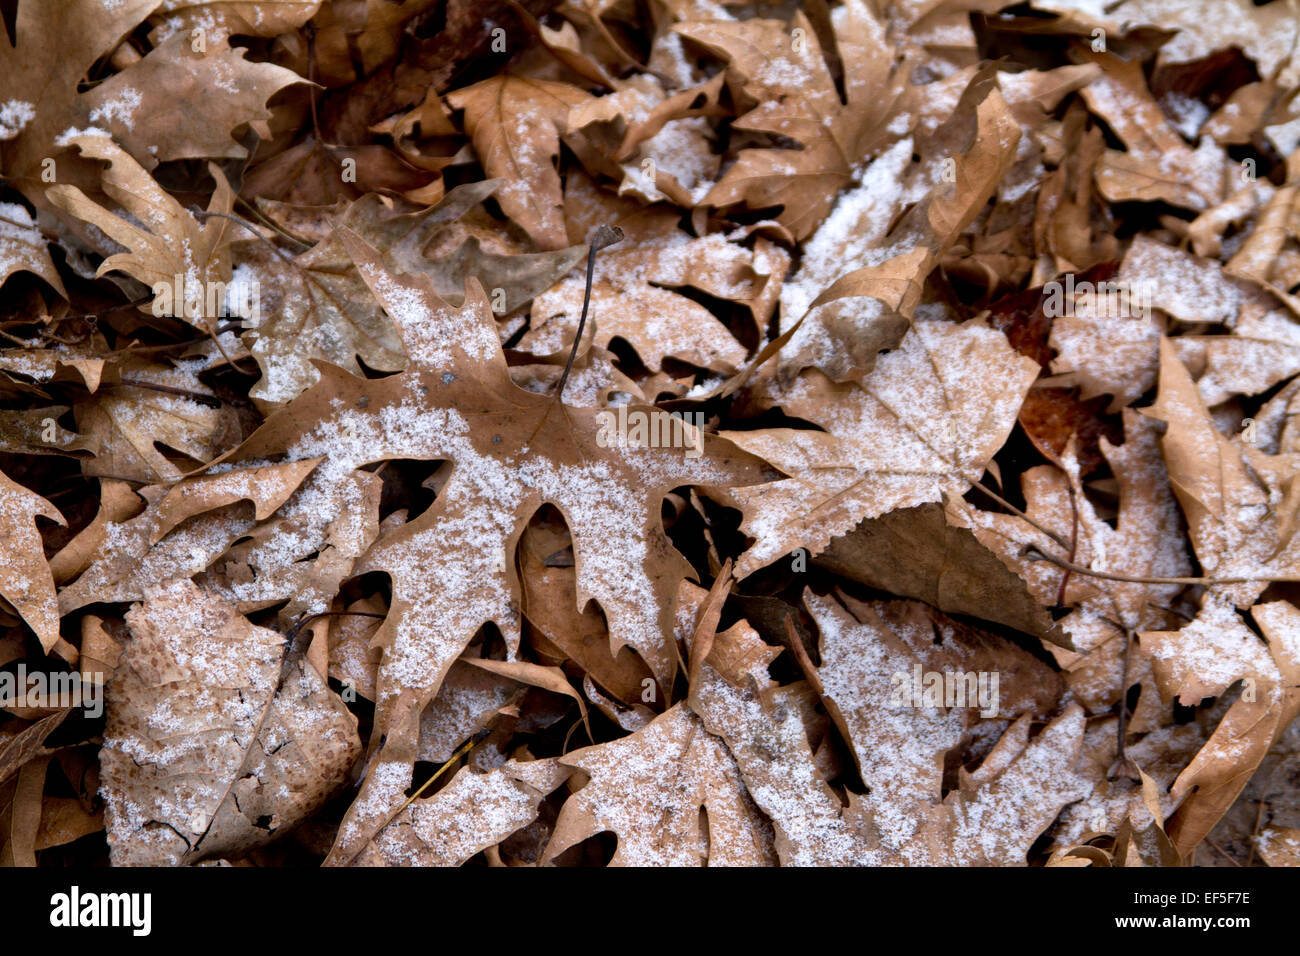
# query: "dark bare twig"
167,389
1254,833
1074,545
603,236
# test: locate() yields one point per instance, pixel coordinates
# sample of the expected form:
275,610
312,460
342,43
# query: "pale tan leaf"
210,749
925,421
26,581
672,795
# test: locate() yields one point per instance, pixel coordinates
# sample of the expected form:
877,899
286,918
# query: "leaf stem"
1021,514
604,235
1033,553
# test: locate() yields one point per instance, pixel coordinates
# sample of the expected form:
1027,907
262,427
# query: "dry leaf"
673,796
210,748
25,578
896,439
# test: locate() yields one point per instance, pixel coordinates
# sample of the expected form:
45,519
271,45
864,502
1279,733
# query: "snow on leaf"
167,249
473,812
1202,660
180,103
511,451
315,306
671,793
991,820
516,123
768,67
632,297
926,420
25,578
209,748
1240,522
185,528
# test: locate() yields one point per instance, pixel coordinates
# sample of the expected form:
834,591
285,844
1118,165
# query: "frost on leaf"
673,796
166,246
925,421
25,578
1202,660
210,748
511,452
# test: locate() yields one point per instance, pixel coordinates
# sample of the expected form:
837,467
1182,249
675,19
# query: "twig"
1221,852
168,389
272,225
310,30
1034,553
1172,610
605,235
1074,547
465,748
1021,514
295,651
251,227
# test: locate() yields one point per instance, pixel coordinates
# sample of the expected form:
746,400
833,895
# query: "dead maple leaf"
1145,542
24,249
633,297
869,260
128,556
897,438
473,812
785,74
316,307
991,820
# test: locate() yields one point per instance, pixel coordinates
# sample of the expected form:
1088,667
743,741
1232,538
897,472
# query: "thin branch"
604,236
1074,547
1034,553
1021,514
168,389
240,221
266,221
1214,846
1172,610
1254,833
465,748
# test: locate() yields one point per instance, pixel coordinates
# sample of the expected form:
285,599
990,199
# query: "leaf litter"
911,483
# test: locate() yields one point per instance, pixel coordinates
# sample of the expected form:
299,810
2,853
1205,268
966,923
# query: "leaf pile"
916,482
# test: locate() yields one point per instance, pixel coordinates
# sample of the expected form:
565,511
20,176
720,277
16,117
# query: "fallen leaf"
210,748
